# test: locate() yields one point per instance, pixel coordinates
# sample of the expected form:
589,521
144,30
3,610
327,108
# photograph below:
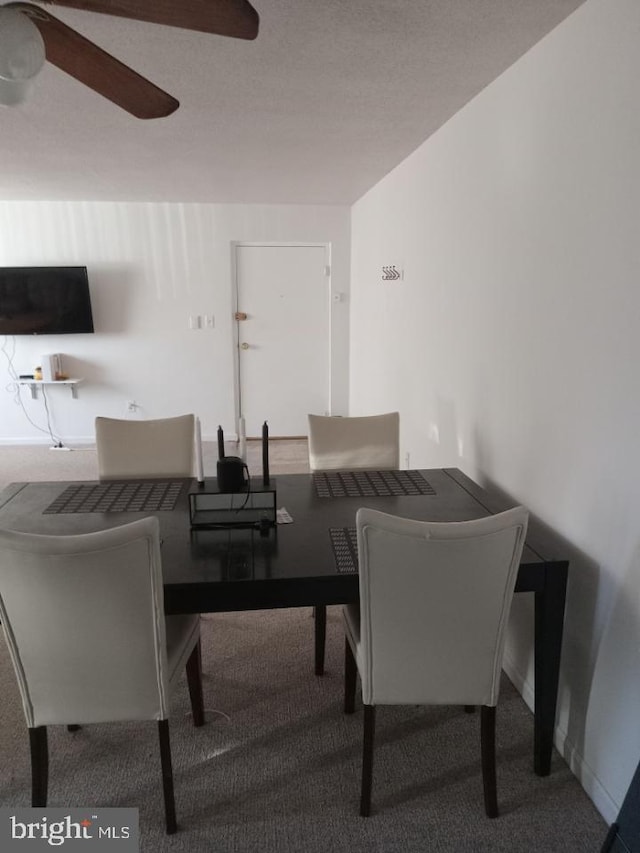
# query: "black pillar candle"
265,454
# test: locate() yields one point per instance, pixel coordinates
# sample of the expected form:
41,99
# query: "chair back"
83,617
352,444
164,447
434,605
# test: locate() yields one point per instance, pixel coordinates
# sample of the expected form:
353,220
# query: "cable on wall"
14,388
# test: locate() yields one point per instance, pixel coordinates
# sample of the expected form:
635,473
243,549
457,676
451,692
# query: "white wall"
511,347
150,267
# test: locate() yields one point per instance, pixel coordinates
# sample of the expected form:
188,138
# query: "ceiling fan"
29,34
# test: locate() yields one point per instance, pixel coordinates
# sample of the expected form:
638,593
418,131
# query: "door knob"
244,346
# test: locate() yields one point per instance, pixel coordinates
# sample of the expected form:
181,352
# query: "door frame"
235,338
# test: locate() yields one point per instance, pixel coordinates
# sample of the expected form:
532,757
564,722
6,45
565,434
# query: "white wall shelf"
34,383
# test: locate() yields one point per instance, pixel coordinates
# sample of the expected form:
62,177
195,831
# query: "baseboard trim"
84,440
592,786
45,441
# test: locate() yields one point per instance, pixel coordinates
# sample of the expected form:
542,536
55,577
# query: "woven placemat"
129,496
345,548
360,484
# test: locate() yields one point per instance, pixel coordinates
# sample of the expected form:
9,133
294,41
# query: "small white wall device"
51,367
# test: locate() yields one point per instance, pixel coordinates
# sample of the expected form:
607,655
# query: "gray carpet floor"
277,765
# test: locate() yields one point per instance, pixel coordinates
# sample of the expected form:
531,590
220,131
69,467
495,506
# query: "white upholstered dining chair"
430,626
370,443
83,618
163,447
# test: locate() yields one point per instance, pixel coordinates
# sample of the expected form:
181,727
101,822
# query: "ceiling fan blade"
97,69
235,18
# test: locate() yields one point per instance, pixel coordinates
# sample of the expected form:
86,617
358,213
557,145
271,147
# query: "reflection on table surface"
237,553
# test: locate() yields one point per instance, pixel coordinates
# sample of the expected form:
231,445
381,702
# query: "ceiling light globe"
22,55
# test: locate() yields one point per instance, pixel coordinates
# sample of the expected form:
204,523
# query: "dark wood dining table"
306,562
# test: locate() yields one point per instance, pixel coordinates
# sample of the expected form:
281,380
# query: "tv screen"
44,301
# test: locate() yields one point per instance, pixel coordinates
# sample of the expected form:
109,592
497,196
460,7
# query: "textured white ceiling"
328,99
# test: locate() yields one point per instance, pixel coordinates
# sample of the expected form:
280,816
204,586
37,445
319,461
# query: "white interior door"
284,342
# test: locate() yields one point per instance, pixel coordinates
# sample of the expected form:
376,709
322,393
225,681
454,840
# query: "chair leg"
39,766
320,626
194,682
167,776
350,677
367,759
488,750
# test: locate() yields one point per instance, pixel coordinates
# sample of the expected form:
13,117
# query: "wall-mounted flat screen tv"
44,301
